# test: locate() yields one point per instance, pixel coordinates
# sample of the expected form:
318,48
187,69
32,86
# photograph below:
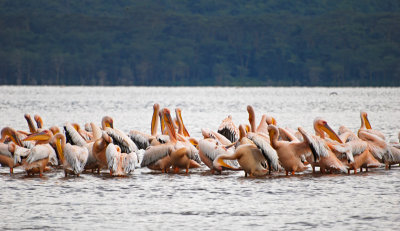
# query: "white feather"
268,152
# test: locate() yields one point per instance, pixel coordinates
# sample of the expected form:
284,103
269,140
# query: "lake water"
148,200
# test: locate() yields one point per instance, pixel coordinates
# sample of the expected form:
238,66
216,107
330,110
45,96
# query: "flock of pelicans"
256,150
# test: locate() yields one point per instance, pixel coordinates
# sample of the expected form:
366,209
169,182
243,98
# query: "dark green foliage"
225,42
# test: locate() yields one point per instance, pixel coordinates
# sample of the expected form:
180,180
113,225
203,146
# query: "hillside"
225,42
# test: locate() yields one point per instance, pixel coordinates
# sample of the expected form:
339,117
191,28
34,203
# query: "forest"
200,43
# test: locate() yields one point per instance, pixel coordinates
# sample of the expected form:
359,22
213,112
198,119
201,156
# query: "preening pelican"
210,148
41,154
120,164
289,153
174,153
378,147
320,149
118,137
366,126
228,129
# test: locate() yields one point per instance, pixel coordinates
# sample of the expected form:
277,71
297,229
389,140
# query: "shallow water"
199,200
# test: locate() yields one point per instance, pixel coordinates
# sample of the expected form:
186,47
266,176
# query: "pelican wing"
39,152
268,152
112,155
212,148
155,153
4,150
122,140
376,145
72,135
229,130
140,139
317,145
130,161
19,153
163,139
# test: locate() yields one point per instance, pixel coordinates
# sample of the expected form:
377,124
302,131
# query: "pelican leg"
110,173
390,166
65,173
366,169
361,169
212,171
11,171
292,172
77,175
348,171
287,173
386,166
98,170
176,170
245,174
355,171
40,173
313,169
187,170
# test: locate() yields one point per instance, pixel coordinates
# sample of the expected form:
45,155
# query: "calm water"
200,201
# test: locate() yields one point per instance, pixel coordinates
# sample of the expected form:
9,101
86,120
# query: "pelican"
8,152
366,126
99,149
174,153
120,164
118,137
320,149
228,129
357,148
289,153
72,157
251,157
41,154
210,148
378,147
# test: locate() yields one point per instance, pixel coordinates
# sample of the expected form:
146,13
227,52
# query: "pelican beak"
38,136
366,121
109,124
32,128
59,149
273,121
169,122
225,165
156,109
185,132
332,134
247,128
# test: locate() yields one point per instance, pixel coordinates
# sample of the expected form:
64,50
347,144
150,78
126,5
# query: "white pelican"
289,153
320,149
378,147
251,157
210,148
10,154
120,164
41,154
174,153
72,157
118,137
99,150
366,126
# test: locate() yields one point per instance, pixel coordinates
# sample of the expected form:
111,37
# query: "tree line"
200,43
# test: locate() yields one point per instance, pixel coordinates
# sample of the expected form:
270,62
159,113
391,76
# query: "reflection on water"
199,200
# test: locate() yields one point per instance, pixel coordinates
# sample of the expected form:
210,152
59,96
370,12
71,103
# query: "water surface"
199,200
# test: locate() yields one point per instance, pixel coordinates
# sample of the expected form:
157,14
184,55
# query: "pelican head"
273,133
321,126
55,130
10,132
107,121
220,165
364,120
270,120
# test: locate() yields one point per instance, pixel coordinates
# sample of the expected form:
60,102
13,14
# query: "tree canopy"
200,43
